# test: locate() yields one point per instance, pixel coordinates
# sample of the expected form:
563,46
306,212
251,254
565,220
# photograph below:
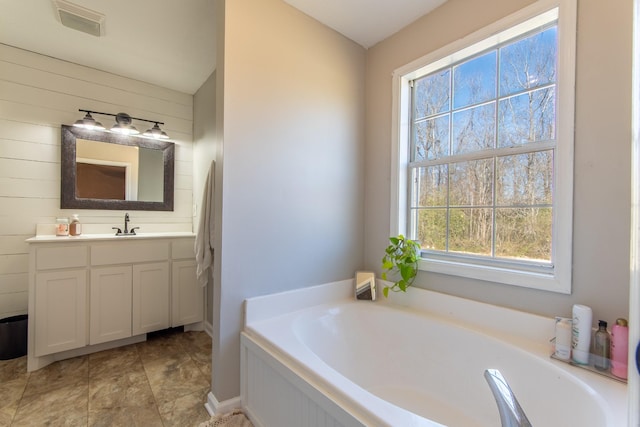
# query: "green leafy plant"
400,261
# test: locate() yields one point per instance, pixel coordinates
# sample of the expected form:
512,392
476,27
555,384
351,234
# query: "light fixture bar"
115,115
123,124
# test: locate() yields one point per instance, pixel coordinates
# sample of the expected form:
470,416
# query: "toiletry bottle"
62,226
563,338
601,347
75,228
581,334
619,348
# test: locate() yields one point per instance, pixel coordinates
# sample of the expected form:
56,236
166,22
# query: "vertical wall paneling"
37,95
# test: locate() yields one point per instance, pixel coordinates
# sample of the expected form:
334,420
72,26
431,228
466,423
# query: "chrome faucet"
511,413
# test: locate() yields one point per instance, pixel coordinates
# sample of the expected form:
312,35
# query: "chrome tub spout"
511,413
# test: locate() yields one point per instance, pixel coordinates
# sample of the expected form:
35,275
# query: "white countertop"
96,237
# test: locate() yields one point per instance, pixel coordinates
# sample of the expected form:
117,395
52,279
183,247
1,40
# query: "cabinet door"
60,311
150,297
187,295
110,304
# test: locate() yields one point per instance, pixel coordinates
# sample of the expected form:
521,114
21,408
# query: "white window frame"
557,278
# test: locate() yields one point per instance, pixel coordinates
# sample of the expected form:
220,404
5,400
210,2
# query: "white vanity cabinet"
60,296
129,289
187,294
61,301
88,294
150,307
109,304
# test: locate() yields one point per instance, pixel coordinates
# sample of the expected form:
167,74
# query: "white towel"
204,235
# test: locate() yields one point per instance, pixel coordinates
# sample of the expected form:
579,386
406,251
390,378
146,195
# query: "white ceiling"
366,21
171,43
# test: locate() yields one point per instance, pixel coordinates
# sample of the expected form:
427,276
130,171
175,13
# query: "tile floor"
160,382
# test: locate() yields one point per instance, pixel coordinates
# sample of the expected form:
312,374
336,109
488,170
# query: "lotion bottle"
619,348
563,338
581,333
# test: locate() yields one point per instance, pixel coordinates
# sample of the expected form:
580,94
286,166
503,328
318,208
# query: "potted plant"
400,261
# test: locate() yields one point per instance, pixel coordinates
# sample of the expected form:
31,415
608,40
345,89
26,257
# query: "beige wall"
292,189
38,94
602,152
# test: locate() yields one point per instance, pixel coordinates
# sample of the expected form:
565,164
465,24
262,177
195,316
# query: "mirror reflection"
365,285
118,172
103,170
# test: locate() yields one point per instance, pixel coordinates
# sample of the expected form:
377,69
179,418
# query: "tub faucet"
511,413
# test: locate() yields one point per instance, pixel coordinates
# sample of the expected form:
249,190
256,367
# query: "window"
485,151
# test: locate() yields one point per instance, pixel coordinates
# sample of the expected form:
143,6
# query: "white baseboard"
214,407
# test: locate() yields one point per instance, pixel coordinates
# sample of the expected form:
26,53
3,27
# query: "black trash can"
13,337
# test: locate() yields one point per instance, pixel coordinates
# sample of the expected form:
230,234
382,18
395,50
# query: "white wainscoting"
272,395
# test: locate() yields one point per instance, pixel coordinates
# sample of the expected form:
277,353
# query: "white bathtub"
317,357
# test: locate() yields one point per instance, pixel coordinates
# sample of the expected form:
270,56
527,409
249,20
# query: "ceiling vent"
79,18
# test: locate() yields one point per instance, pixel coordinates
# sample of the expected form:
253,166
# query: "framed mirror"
102,170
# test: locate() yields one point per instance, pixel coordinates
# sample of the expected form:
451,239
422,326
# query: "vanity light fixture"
124,124
156,132
89,122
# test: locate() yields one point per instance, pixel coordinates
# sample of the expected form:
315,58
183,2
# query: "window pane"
471,183
431,186
529,63
475,81
431,139
528,117
432,94
470,193
470,231
474,129
525,179
524,233
432,229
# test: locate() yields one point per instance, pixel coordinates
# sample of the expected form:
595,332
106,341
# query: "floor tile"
64,373
13,380
137,416
161,346
121,390
161,382
187,410
199,349
113,362
13,369
65,406
10,394
174,377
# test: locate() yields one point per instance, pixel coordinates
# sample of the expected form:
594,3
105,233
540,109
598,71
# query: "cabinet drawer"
60,256
129,252
183,248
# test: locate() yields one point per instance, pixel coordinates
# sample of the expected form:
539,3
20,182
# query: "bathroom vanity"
93,292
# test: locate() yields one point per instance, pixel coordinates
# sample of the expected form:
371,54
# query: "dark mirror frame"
68,199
